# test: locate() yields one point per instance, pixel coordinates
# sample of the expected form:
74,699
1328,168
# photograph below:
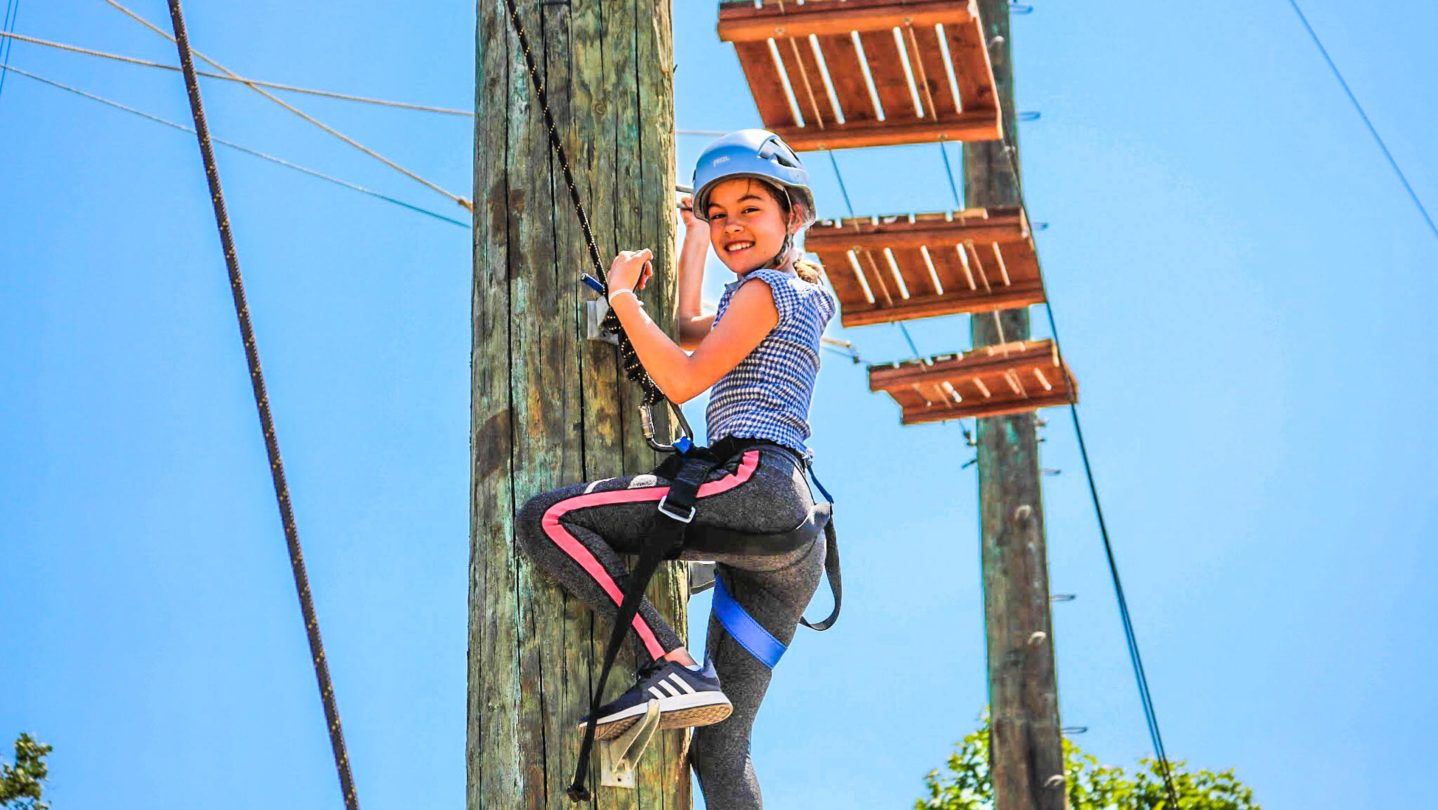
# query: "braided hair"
805,268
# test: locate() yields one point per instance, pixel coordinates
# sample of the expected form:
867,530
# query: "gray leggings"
574,532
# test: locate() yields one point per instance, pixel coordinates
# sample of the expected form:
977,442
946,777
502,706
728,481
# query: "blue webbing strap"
827,496
744,629
831,562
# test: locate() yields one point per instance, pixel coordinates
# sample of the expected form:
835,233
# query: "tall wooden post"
1026,741
549,407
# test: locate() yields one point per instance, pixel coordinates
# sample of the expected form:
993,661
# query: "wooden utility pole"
1026,741
549,407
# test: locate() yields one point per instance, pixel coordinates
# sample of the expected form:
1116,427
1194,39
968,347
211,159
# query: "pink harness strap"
577,551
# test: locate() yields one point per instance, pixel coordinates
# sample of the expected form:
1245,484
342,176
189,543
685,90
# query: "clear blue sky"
1241,285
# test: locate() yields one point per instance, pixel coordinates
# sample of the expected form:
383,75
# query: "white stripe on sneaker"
656,693
683,684
667,688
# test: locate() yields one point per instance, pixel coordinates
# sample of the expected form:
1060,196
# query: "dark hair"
806,269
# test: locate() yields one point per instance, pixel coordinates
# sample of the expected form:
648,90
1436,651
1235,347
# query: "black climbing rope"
267,422
633,369
1165,767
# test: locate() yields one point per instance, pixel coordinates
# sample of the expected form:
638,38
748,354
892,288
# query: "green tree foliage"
22,783
1090,785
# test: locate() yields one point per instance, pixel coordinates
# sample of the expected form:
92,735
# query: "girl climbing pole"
759,352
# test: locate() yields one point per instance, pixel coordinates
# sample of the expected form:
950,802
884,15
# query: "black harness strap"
719,540
731,541
831,572
666,541
672,534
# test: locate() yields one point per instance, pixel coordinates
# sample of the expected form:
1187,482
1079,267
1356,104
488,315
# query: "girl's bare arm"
752,315
694,324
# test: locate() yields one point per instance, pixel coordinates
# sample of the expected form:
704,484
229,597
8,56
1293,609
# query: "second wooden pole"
1026,743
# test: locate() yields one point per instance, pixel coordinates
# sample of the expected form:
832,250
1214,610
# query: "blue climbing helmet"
756,153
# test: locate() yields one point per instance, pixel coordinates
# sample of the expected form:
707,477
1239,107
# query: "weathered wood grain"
991,381
936,116
1023,689
741,22
550,408
493,754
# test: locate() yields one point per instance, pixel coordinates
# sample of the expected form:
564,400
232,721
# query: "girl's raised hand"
631,270
692,224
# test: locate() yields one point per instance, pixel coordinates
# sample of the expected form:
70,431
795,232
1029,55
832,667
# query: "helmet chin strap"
778,261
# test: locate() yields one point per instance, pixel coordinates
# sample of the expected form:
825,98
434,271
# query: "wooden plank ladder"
899,268
831,74
988,381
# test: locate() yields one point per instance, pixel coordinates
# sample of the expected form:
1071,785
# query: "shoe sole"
679,717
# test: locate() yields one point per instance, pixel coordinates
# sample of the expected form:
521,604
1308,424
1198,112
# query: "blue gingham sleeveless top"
767,395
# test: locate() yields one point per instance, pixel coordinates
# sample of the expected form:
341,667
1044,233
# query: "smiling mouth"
735,247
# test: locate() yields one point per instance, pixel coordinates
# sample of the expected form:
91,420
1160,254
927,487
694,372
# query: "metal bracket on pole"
618,757
595,310
701,577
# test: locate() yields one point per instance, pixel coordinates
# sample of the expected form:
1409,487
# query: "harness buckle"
664,508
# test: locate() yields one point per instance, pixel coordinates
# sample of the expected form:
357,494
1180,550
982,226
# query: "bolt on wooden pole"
1026,742
550,408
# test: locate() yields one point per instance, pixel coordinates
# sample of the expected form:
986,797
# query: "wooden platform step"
988,381
833,74
923,265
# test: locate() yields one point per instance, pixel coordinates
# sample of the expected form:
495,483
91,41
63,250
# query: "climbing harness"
674,532
267,422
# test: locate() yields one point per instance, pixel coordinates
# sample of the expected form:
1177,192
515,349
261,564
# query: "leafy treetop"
1090,785
22,783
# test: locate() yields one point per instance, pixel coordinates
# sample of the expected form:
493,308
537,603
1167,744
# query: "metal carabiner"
679,445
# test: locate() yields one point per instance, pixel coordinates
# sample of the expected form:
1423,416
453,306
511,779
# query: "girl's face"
747,224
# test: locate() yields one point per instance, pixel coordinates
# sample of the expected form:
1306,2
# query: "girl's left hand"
631,270
692,223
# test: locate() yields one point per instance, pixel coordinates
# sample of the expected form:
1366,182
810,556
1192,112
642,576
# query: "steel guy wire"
1130,638
116,57
295,110
289,88
238,147
1367,122
959,205
12,12
949,170
848,203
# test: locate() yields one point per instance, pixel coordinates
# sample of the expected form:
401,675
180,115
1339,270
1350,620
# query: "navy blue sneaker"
686,699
